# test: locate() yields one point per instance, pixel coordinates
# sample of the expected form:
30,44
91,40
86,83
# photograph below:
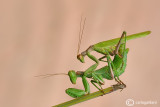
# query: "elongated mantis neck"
79,73
90,49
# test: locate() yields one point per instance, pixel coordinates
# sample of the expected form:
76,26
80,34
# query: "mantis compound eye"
72,75
81,58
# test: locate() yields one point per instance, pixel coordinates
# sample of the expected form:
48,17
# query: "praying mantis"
113,69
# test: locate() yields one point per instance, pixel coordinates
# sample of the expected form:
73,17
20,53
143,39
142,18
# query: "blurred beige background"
41,36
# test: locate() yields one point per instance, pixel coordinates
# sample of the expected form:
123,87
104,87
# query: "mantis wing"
113,42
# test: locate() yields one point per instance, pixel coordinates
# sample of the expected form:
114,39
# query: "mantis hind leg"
123,53
98,79
118,48
93,82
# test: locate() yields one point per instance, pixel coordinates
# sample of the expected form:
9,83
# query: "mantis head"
72,75
80,57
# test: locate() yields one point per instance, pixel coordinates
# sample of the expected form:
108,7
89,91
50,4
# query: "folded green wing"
113,42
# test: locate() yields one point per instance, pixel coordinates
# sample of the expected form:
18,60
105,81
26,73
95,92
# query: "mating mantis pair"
115,47
113,69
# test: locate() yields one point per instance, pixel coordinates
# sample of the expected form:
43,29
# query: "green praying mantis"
113,69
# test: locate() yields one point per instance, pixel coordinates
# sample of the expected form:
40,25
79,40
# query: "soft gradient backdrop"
41,36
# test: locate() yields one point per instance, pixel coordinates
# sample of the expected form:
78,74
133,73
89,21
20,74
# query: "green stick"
91,96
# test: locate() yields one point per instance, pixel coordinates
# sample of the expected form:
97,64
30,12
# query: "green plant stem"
90,96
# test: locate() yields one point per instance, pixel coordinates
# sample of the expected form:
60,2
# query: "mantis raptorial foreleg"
85,84
88,71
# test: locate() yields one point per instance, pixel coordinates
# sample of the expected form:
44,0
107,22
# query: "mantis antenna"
79,43
80,33
49,75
